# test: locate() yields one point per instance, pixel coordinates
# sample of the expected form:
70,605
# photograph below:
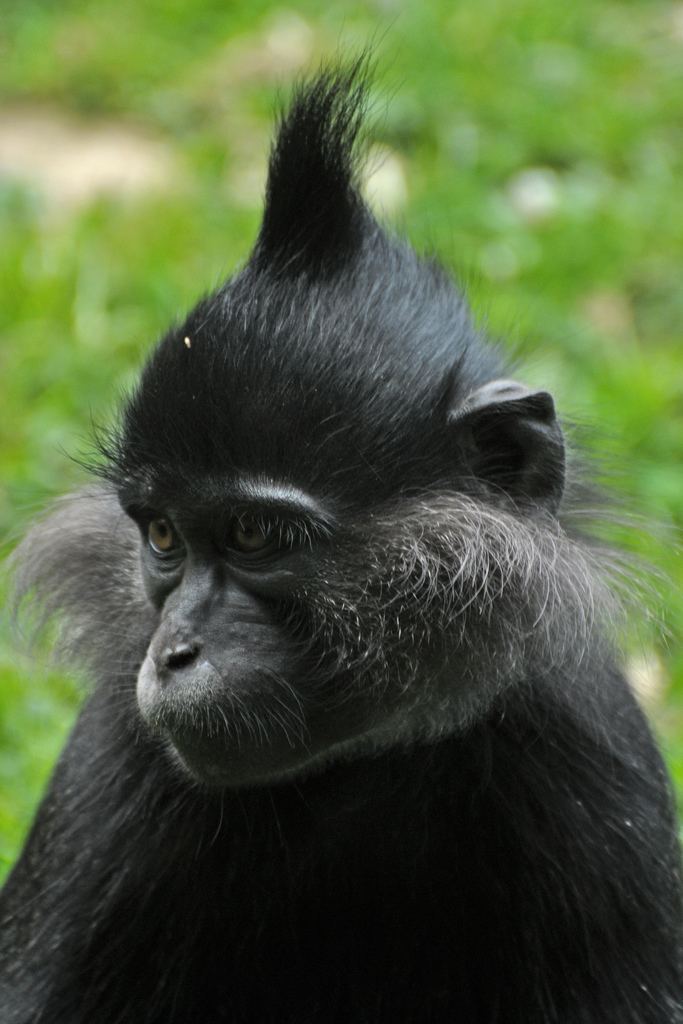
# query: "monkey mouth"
178,702
223,733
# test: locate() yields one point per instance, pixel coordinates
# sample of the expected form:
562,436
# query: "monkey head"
343,501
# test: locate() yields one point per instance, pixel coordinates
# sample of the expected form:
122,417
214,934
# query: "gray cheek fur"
441,604
81,564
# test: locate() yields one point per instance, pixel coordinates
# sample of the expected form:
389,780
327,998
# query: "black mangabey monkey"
358,751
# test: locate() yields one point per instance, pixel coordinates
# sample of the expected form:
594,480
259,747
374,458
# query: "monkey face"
285,637
225,679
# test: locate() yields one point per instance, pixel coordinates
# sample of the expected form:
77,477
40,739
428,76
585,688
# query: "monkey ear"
512,440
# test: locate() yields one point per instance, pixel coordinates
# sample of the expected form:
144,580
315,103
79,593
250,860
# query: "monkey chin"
207,766
210,738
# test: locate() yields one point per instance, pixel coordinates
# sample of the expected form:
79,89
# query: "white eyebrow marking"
269,491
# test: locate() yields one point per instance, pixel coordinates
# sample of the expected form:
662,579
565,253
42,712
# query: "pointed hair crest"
314,215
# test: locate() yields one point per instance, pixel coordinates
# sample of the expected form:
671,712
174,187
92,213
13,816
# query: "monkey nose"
177,655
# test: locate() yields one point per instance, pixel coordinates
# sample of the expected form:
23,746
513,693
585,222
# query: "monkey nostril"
179,655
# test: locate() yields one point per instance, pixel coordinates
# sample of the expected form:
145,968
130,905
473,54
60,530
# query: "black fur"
389,772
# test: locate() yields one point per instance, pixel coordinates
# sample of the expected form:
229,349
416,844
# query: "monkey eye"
250,535
161,536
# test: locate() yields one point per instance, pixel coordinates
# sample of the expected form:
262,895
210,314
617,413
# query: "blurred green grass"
475,105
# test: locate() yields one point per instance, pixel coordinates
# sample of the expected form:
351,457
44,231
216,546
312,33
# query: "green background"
536,147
